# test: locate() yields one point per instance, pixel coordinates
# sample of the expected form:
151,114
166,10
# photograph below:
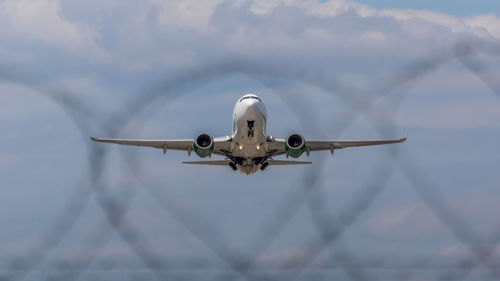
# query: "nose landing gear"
232,165
264,166
250,124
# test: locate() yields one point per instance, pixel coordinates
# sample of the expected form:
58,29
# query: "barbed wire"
307,192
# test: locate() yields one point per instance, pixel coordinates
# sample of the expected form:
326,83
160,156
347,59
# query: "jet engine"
203,145
295,145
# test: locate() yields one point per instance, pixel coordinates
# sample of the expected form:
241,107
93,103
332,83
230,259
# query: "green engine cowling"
295,145
203,145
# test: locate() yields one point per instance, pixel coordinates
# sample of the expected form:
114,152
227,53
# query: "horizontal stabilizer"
212,162
226,162
286,162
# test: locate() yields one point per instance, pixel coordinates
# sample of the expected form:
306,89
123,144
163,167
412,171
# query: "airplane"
248,149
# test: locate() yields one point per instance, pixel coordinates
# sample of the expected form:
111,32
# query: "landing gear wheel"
264,166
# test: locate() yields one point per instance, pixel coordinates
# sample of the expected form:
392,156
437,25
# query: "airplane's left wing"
220,144
315,145
277,146
286,162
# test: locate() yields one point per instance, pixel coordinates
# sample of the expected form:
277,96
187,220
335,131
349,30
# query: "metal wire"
307,193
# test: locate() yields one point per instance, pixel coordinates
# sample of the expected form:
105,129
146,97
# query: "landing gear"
232,165
264,166
250,124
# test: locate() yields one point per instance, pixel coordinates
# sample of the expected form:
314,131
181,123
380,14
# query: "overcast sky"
335,69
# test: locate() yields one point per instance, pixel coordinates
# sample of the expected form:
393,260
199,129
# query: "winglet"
402,139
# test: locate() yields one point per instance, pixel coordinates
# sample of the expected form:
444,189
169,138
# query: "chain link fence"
339,262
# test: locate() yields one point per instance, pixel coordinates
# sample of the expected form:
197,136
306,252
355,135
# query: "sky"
456,8
423,210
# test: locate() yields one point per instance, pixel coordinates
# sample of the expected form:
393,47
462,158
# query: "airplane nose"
252,109
252,101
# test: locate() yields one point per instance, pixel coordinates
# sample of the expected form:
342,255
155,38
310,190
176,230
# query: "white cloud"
40,21
187,14
453,23
490,23
138,38
333,8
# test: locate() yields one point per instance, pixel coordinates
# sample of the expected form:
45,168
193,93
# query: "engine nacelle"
295,145
203,145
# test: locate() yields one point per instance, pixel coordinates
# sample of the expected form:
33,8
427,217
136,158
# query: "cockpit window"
250,97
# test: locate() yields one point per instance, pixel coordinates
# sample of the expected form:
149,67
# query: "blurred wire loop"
330,227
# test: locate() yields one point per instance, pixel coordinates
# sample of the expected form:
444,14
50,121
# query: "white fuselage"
249,133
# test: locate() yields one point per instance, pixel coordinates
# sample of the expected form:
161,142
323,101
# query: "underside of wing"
220,144
277,146
210,162
170,144
315,145
286,162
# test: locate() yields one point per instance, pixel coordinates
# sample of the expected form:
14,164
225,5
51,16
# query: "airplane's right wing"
220,144
171,144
